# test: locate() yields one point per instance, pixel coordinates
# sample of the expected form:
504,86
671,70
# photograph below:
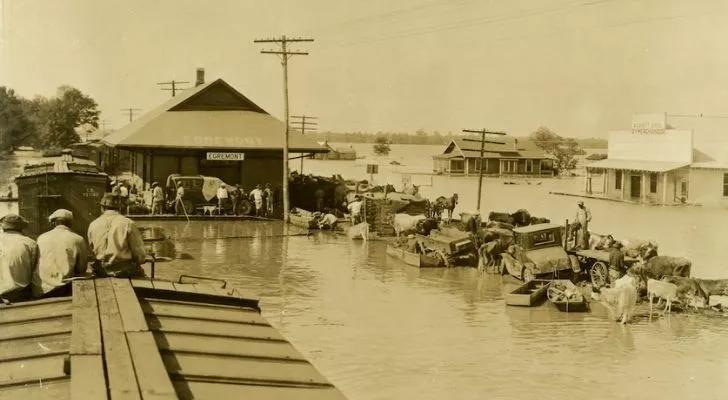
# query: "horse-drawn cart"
596,264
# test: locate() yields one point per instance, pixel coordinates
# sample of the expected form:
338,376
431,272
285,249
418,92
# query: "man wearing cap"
583,217
616,262
63,254
18,259
157,198
116,243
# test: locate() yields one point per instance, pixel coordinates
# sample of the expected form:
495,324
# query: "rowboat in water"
113,338
429,260
566,296
529,294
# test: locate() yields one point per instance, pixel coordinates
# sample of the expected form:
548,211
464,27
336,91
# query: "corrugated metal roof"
637,165
248,127
510,149
62,164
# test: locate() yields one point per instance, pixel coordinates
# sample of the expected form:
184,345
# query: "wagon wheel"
245,207
599,274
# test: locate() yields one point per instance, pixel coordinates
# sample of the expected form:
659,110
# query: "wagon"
596,264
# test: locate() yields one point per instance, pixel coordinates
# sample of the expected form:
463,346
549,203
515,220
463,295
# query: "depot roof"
210,116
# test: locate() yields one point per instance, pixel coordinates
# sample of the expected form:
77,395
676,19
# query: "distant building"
341,153
655,163
462,157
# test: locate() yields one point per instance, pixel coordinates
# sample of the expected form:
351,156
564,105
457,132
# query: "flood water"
379,329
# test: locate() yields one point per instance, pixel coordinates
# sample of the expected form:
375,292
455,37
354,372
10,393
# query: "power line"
174,87
284,54
304,125
131,111
482,141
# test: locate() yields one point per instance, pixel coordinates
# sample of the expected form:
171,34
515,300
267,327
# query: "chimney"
200,77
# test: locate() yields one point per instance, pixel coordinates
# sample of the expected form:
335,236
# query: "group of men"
42,268
617,267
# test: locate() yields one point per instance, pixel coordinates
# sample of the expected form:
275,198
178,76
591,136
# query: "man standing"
319,196
116,243
157,198
63,254
18,259
616,262
583,217
257,196
474,223
179,205
355,210
268,194
222,198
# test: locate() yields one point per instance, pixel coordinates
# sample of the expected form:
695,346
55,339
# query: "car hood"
549,259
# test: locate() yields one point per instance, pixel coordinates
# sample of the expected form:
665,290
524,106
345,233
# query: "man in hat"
235,196
473,225
63,254
116,243
616,262
18,260
157,198
583,217
257,196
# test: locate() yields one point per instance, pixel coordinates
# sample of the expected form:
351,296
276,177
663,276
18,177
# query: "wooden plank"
150,370
38,309
86,333
191,310
31,369
57,390
227,346
142,283
132,316
122,381
163,285
34,346
220,390
87,377
37,328
212,328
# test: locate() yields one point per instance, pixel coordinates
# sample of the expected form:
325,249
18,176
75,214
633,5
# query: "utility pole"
284,55
482,141
174,87
131,112
303,125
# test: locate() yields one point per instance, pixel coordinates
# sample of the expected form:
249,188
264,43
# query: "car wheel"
527,274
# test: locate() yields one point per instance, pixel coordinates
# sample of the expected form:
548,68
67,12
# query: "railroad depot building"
210,129
462,157
656,163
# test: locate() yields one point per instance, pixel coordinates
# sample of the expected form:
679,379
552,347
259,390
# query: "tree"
14,123
381,146
562,149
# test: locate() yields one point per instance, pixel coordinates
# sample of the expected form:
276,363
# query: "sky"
579,67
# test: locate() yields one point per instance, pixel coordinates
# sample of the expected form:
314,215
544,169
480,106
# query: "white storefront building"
655,163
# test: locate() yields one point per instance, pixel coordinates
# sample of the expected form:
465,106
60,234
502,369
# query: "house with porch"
210,129
462,157
655,163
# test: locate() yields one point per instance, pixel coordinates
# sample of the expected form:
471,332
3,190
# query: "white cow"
405,222
620,300
359,231
661,290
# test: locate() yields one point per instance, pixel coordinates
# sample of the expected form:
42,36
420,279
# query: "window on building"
529,166
510,166
725,184
618,180
653,183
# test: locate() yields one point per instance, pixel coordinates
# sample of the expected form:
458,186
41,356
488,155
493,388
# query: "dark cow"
500,217
425,226
521,218
690,289
498,225
660,266
539,220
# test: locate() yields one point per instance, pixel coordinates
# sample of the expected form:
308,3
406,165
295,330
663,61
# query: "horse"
445,203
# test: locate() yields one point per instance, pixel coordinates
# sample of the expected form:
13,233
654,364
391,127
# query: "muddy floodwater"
379,329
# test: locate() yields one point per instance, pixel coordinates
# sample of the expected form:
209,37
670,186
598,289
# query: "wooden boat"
566,296
431,260
118,338
303,221
529,294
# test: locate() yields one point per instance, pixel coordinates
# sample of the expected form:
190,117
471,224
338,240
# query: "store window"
618,180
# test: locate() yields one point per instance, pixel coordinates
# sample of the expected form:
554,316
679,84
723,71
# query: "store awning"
637,165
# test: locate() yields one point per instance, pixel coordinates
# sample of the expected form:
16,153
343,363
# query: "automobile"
538,250
200,191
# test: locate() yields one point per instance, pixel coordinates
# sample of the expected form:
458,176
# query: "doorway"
635,186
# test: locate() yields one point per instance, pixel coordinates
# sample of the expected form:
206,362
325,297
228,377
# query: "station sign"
649,124
212,156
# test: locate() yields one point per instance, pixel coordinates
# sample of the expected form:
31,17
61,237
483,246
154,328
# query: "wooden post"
566,234
645,187
621,195
664,188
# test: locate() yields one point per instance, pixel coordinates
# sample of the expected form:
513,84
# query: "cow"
405,223
359,231
620,300
425,226
689,291
712,287
498,225
539,220
599,242
658,267
501,217
661,290
521,217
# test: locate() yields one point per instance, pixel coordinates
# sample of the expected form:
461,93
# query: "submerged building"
462,157
210,129
656,163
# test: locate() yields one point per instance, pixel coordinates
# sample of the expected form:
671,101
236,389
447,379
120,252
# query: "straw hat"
13,222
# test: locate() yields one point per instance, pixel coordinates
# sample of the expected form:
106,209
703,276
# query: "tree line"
46,122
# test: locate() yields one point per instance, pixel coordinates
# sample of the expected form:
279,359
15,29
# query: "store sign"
372,169
225,156
649,124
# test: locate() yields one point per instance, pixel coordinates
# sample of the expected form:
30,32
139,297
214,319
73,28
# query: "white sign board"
649,124
225,156
672,146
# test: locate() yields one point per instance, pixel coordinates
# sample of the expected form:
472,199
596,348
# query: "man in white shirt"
355,210
257,196
157,198
19,259
222,197
63,254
